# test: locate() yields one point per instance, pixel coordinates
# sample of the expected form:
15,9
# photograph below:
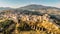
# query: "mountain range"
32,6
36,9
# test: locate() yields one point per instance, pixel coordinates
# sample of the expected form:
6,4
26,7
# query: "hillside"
16,24
41,9
31,19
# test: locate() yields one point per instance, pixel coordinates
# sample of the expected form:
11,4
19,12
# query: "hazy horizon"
21,3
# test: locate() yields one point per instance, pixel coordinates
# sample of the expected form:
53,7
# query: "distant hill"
5,8
52,11
41,8
31,7
35,6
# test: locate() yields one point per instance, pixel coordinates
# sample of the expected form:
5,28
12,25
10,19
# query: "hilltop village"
34,22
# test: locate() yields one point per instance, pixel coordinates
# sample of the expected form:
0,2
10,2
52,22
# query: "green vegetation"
8,27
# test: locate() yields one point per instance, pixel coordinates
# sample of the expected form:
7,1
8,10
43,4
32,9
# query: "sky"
20,3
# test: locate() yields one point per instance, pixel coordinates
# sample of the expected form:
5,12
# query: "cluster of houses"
31,18
34,19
